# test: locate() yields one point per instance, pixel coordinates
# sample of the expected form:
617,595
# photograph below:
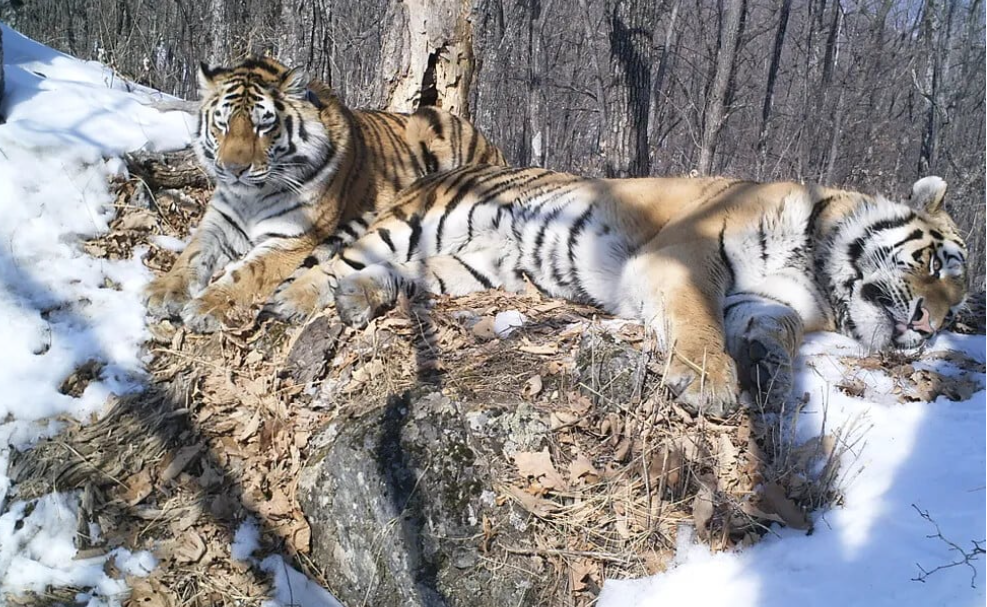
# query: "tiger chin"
297,173
729,275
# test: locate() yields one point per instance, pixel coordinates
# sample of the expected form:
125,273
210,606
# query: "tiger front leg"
209,249
253,278
763,337
307,290
681,303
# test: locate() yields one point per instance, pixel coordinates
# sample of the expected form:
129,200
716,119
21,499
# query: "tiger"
727,275
292,166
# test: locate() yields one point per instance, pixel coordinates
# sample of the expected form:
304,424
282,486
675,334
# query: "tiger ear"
928,195
294,83
208,76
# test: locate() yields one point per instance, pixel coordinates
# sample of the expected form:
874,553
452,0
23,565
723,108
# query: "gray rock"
397,497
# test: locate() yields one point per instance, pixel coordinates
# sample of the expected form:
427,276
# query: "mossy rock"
396,502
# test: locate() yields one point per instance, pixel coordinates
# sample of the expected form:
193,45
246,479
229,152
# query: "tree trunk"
716,111
762,138
659,99
2,119
631,23
930,88
430,62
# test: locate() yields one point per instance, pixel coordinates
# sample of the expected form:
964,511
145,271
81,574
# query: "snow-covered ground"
67,123
67,120
867,552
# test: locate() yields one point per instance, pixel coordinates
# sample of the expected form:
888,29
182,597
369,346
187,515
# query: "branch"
171,105
967,557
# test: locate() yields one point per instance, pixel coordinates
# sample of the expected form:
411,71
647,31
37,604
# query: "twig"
603,556
967,557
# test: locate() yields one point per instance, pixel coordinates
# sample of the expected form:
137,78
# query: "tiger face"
259,125
909,272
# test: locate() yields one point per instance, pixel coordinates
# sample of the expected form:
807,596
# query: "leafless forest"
868,94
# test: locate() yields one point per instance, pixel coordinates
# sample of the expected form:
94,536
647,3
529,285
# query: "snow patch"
506,322
931,455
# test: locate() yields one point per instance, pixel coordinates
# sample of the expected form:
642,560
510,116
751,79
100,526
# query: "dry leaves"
582,469
538,466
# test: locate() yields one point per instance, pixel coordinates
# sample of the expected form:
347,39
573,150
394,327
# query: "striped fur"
293,167
728,274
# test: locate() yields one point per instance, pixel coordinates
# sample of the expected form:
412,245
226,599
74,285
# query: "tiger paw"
166,295
304,293
765,370
707,388
359,299
207,313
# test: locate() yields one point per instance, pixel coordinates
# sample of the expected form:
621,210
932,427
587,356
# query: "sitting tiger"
728,274
291,164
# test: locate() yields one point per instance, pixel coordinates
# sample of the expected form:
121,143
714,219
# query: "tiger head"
259,124
904,269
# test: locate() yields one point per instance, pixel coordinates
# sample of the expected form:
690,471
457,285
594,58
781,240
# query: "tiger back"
292,164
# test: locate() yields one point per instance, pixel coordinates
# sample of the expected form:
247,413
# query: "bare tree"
716,111
762,138
628,96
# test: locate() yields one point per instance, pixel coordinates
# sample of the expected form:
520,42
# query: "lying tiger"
728,274
291,163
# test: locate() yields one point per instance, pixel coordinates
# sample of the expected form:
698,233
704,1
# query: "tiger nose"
921,322
236,168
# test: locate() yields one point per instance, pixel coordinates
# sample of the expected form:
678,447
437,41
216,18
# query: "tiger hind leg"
763,337
363,295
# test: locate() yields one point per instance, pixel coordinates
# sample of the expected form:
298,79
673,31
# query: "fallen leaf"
548,306
146,592
544,349
183,458
582,468
484,328
775,500
579,572
532,387
538,506
702,505
623,450
138,487
852,387
666,465
137,220
538,465
251,428
191,548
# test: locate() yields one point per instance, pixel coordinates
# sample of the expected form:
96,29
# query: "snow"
37,551
866,552
505,322
68,121
291,587
246,541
